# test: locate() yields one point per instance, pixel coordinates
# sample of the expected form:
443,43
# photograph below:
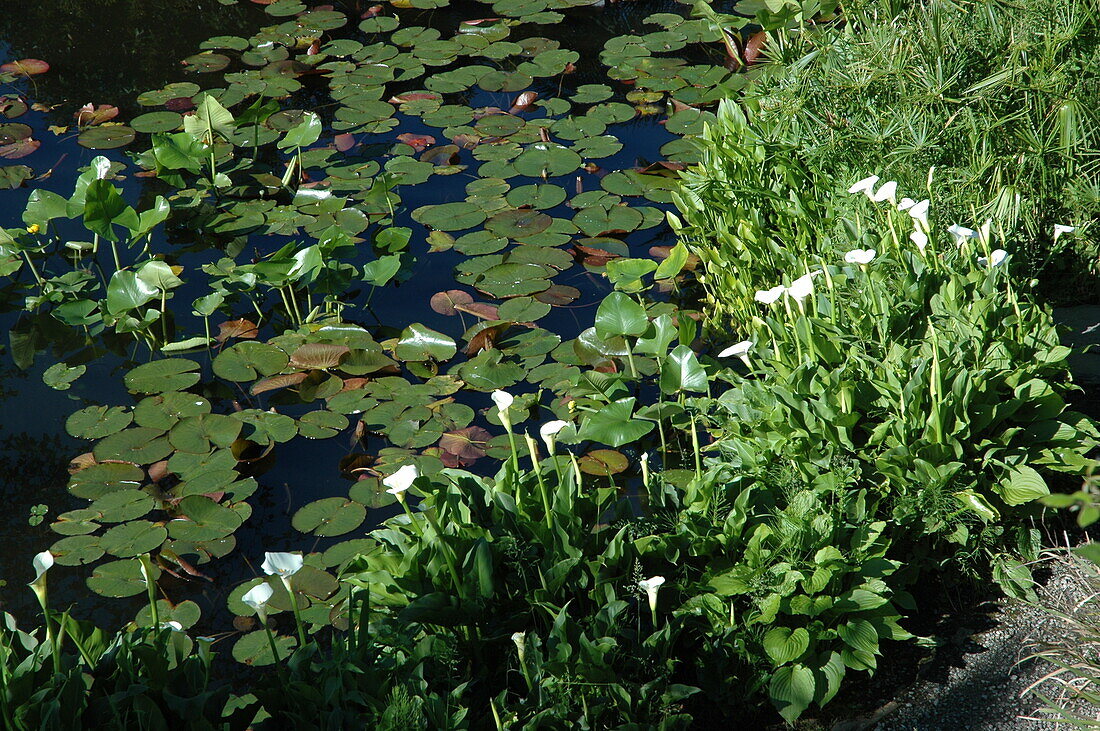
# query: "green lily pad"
332,516
187,613
160,376
133,538
195,434
499,125
164,410
106,137
205,520
100,479
60,376
450,216
151,122
137,444
512,280
249,360
77,550
96,422
540,196
255,650
121,506
546,160
419,343
518,224
523,309
321,424
119,579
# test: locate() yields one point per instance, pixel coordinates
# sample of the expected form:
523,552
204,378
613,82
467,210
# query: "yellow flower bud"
33,228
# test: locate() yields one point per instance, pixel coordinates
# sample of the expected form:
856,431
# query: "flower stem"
297,612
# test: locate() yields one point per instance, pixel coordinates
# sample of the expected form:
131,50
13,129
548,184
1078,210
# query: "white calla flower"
257,597
402,480
42,563
1060,229
996,258
768,296
860,256
172,625
962,233
865,186
737,349
906,203
651,586
503,400
887,192
549,433
801,288
521,644
919,211
283,565
920,239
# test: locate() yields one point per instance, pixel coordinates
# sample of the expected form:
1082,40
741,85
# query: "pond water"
539,122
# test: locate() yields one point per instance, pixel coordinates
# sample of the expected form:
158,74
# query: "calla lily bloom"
257,597
740,350
737,349
887,192
906,203
521,644
768,296
919,212
549,433
996,258
42,563
401,481
283,565
172,625
920,239
503,400
962,232
1060,229
865,186
860,256
801,288
651,587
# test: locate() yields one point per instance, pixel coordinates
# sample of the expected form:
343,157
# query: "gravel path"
987,692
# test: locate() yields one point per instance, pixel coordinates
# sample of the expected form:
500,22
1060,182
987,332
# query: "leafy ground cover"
625,528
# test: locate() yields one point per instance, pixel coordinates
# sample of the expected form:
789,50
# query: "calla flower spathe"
283,565
737,349
1060,229
996,258
42,563
651,586
768,296
503,400
402,480
257,597
920,239
549,433
919,211
962,232
521,644
801,288
865,186
906,203
860,256
887,192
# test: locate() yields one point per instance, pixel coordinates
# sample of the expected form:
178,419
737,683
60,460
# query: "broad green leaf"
681,371
785,645
618,314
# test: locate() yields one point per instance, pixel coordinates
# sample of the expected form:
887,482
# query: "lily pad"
249,360
119,579
106,137
96,422
332,516
160,376
101,479
450,216
255,650
133,538
138,444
